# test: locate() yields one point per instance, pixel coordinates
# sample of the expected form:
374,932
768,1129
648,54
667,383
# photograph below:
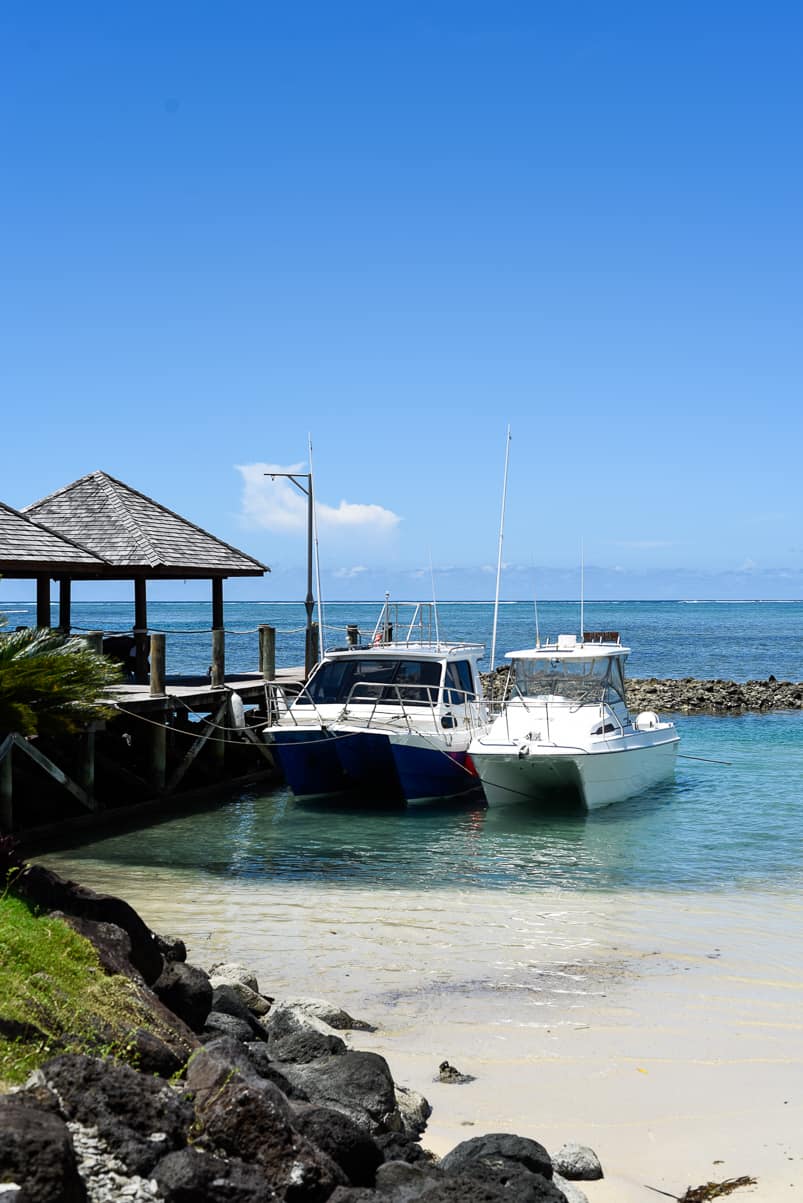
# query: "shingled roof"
26,545
133,532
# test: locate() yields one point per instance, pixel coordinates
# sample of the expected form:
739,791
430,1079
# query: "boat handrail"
439,699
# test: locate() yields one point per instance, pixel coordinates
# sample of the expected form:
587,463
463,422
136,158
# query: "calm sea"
718,826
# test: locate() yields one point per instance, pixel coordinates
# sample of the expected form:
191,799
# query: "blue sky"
398,229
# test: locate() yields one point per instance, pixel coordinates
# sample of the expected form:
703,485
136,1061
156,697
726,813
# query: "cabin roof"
580,651
127,530
32,546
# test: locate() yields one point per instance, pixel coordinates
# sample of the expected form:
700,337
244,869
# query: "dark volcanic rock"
245,1116
519,1165
154,1055
401,1146
226,1000
140,1117
218,1023
191,1176
187,991
112,944
302,1047
350,1146
37,1154
171,947
356,1083
52,893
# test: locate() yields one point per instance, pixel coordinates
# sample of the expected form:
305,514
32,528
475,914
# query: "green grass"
50,979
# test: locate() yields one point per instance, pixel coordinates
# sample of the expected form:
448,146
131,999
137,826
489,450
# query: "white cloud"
277,505
349,574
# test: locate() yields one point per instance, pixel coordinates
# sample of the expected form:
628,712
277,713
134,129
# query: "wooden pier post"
267,652
218,673
94,641
6,785
314,644
157,665
86,767
352,634
158,766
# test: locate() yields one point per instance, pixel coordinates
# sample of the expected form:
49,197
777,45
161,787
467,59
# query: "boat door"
461,695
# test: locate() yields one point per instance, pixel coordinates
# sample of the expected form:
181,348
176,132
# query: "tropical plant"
50,683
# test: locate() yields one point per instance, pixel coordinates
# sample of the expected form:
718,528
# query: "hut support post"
141,628
218,637
267,652
65,599
6,785
157,665
43,601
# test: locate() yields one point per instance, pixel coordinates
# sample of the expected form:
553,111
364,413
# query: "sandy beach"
662,1029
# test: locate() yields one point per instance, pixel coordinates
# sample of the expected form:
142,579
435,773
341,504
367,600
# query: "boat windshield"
597,680
372,680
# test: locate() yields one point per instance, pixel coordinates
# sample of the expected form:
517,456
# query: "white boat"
565,732
387,722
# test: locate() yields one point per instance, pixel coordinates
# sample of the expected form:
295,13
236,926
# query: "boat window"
458,675
597,680
373,679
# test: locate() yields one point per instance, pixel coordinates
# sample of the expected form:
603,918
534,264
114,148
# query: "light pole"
309,601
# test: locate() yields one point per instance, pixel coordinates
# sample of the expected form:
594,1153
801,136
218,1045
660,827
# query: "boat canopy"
375,678
580,678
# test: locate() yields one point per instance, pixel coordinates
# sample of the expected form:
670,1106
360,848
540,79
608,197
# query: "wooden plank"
260,745
196,747
54,771
6,785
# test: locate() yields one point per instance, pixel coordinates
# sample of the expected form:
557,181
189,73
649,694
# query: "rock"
414,1176
187,992
153,1055
570,1192
307,1046
228,1002
286,1019
246,1116
350,1146
36,1155
326,1012
358,1084
451,1076
112,944
52,893
414,1110
577,1162
218,1023
499,1146
401,1146
140,1117
171,947
191,1176
244,984
261,1060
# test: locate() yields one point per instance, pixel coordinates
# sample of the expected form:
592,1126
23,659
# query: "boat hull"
430,773
590,779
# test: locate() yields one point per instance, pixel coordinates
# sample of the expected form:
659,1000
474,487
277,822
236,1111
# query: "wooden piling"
86,767
315,643
218,672
94,641
6,785
158,758
267,652
352,634
157,665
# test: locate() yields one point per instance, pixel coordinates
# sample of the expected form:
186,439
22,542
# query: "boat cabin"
403,678
579,672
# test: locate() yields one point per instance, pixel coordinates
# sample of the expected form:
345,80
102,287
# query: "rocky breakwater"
687,695
230,1095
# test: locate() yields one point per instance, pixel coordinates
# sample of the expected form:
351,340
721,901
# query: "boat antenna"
582,588
499,553
537,633
434,601
321,627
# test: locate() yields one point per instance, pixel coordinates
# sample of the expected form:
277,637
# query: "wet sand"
663,1029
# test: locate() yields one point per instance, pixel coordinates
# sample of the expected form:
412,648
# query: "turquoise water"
717,826
737,640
